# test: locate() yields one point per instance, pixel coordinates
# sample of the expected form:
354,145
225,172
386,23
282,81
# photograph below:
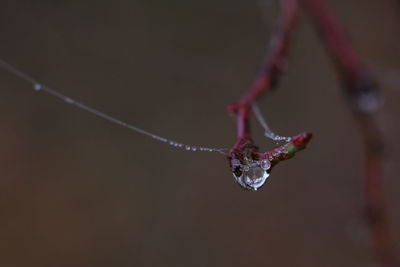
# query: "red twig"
362,94
244,148
272,66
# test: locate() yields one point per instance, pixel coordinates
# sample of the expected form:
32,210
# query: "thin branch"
363,96
244,153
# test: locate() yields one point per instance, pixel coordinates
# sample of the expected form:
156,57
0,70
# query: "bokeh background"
76,190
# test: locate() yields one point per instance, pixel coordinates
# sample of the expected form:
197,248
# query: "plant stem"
269,73
244,148
362,94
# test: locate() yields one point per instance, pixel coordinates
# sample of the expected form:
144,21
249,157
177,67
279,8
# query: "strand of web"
267,131
268,10
40,87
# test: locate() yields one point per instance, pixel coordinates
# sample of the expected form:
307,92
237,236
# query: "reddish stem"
358,83
270,70
277,54
288,150
244,147
335,37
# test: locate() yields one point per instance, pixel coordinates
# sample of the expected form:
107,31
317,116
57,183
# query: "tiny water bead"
267,131
37,87
368,102
55,93
189,147
265,164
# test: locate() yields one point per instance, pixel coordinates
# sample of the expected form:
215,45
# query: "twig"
244,159
363,96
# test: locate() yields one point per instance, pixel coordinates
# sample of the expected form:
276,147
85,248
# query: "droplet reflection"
252,176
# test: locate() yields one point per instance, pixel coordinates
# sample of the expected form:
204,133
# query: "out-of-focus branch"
363,96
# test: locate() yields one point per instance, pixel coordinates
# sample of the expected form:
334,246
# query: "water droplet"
235,163
194,148
265,164
37,87
172,143
252,177
187,147
368,102
255,177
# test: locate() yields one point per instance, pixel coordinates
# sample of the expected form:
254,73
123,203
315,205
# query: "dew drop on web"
37,87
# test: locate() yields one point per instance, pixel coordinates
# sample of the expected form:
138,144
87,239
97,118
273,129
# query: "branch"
250,167
363,96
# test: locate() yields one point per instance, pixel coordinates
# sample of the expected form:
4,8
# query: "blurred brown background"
76,190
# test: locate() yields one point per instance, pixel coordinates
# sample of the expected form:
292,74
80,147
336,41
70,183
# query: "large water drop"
251,177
